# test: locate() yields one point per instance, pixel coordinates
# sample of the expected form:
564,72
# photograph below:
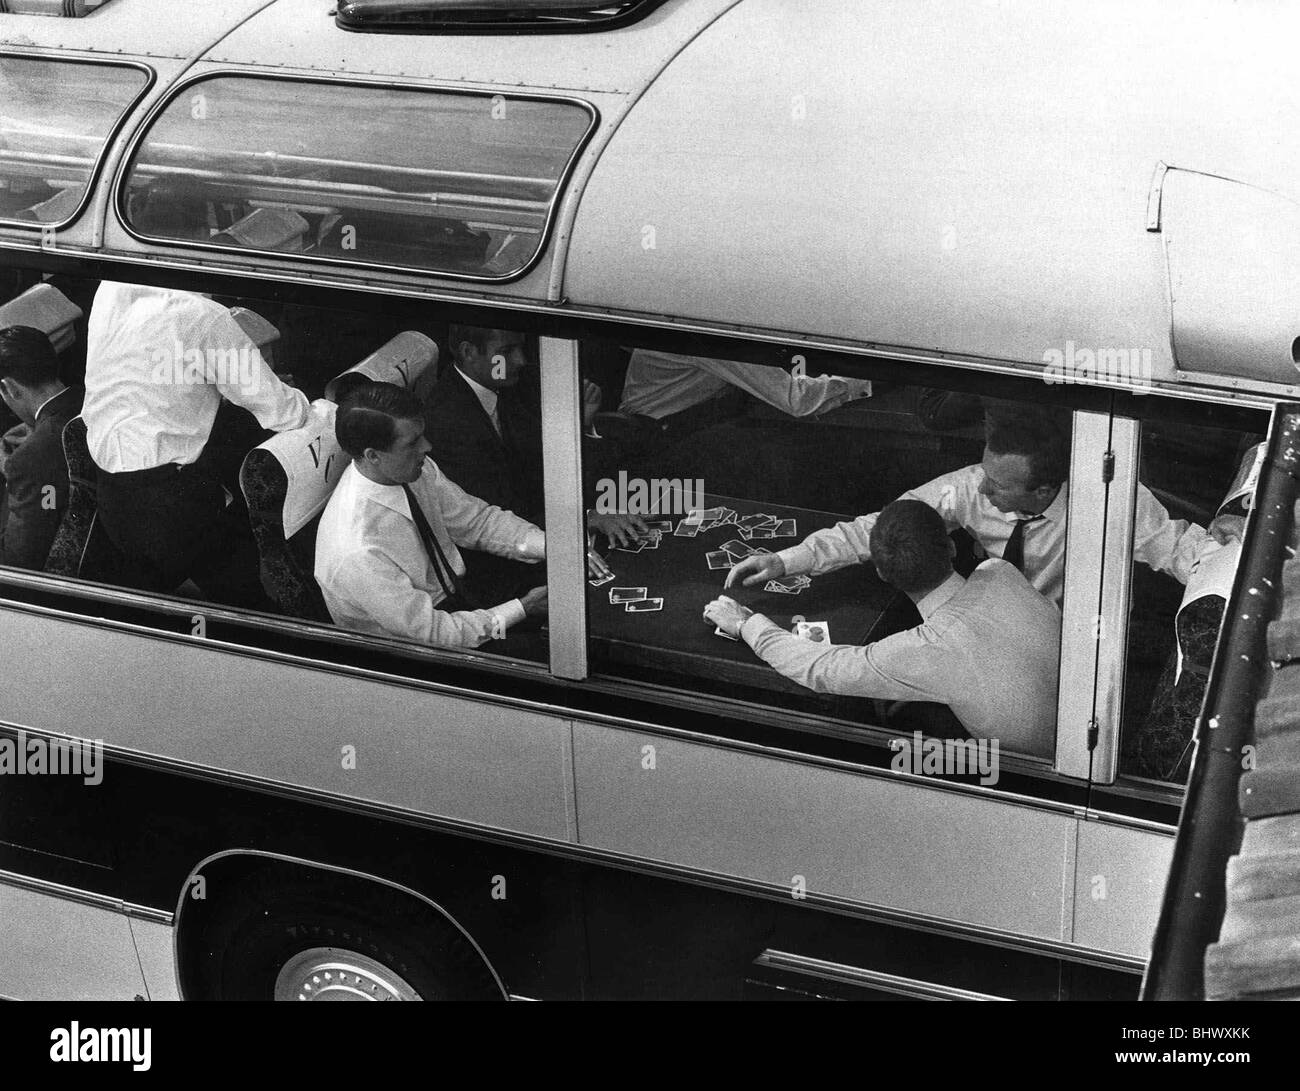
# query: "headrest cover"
401,361
258,330
47,309
313,462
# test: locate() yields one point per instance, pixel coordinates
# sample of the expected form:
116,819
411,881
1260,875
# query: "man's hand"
534,603
756,569
727,614
620,529
591,396
597,569
1226,528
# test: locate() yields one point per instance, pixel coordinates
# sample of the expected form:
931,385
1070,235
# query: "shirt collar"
940,595
47,402
487,398
1053,513
392,497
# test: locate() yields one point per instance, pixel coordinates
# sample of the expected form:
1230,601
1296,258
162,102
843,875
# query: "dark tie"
457,597
1015,551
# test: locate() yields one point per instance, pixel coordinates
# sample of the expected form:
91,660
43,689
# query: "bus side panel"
893,844
52,948
1118,886
372,741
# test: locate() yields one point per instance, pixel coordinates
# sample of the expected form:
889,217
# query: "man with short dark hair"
1014,504
37,472
387,556
987,646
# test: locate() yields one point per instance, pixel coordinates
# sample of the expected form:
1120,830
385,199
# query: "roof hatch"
489,16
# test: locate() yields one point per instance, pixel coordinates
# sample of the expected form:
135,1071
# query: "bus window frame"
128,111
240,255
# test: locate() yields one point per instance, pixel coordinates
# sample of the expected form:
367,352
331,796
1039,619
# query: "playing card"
744,532
634,546
737,549
819,632
752,521
719,631
786,528
761,532
649,543
644,606
626,594
686,529
785,587
719,559
659,525
601,580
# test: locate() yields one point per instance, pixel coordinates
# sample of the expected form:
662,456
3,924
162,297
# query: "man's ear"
952,549
370,455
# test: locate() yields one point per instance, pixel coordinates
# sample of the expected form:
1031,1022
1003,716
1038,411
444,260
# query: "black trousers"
171,523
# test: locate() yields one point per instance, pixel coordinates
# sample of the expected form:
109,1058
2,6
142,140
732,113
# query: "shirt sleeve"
239,371
898,668
1165,544
476,524
798,395
952,495
373,580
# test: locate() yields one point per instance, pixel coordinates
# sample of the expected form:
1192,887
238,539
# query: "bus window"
463,184
56,117
714,472
1182,575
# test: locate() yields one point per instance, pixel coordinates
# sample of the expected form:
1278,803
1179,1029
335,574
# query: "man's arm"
902,667
245,378
1165,544
375,584
953,495
800,396
33,511
478,525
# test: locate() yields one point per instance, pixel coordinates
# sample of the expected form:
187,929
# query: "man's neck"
371,474
929,600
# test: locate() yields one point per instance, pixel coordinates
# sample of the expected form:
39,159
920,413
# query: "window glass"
196,448
1195,486
700,469
457,183
55,119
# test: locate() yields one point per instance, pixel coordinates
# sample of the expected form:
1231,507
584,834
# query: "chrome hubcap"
332,973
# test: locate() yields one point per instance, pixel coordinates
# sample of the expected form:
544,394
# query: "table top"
854,601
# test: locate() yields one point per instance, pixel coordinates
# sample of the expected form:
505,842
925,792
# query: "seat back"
47,309
81,547
401,361
286,483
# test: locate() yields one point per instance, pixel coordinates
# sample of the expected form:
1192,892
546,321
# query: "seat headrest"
312,461
401,361
47,309
258,330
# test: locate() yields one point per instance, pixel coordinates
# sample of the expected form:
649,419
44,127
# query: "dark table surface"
854,601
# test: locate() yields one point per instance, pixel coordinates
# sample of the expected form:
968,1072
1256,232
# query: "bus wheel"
308,940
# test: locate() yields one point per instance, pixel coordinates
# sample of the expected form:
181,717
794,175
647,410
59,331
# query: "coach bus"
1059,206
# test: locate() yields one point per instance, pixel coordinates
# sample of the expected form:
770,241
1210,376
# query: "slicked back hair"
367,417
27,357
910,546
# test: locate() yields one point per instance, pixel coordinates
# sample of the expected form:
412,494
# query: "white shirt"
487,398
659,384
157,364
1167,545
988,648
376,576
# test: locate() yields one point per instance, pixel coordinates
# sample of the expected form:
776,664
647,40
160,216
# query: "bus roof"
942,179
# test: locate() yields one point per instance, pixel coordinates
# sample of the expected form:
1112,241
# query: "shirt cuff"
798,559
754,627
507,614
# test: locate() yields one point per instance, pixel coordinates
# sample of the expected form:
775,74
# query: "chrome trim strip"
92,179
566,543
181,899
864,978
177,89
1117,580
85,897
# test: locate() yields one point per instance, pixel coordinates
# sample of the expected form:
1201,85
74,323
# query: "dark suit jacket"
504,470
34,513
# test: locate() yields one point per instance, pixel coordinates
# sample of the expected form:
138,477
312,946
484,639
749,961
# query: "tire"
272,937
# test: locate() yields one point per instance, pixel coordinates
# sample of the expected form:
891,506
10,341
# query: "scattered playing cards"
737,549
634,546
686,529
644,606
819,632
626,594
602,580
791,585
720,559
660,525
786,529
